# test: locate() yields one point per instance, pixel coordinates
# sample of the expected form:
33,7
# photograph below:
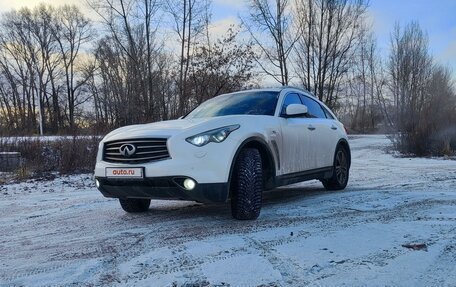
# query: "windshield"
248,103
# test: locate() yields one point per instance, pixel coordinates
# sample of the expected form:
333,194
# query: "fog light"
97,183
189,184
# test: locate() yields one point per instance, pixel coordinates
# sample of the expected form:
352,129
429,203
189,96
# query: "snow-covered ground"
64,232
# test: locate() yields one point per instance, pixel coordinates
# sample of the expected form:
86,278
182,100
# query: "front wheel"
133,205
247,185
341,168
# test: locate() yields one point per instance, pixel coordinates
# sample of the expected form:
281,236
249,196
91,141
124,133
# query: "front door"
298,146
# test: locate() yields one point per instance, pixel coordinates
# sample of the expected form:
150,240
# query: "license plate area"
125,172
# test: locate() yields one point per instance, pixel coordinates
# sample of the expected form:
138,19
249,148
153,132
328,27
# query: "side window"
290,99
327,113
314,110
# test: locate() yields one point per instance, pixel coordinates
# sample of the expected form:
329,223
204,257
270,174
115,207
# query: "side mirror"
295,110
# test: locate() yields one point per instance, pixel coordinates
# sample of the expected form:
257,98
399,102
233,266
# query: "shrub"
44,156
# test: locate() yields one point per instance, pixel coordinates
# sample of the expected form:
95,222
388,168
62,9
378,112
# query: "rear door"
325,136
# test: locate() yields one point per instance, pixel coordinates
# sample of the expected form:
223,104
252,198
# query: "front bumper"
208,164
162,188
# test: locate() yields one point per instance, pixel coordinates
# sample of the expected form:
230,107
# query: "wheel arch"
344,143
267,158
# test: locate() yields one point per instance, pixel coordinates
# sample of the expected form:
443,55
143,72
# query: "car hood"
170,128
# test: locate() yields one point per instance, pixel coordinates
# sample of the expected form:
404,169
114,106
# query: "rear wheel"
247,185
341,168
133,205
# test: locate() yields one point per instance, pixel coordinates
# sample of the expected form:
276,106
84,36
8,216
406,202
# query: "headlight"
216,136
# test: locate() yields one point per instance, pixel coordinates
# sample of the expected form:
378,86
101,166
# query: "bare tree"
220,67
71,31
269,24
190,19
331,31
30,63
126,57
424,98
367,88
38,49
440,112
409,69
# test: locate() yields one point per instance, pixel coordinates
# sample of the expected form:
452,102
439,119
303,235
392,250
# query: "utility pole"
40,114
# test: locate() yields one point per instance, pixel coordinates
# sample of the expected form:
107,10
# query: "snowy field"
63,232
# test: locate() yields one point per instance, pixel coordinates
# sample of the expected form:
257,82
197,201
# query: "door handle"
333,127
311,128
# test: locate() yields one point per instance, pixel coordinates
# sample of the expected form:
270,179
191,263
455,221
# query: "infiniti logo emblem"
127,150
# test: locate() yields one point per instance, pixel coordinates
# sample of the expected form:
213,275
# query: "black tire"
247,185
133,205
341,171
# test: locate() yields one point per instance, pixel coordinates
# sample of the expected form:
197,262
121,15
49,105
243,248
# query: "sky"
437,18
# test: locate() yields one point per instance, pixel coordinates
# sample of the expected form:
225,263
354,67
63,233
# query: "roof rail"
300,89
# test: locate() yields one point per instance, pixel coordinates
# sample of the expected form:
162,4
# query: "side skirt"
290,178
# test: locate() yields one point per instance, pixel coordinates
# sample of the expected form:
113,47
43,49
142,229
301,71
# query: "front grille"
147,150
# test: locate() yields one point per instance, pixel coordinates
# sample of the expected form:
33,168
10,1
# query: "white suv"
233,146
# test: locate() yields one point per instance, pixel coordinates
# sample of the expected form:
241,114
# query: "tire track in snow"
291,272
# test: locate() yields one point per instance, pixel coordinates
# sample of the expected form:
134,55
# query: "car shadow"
184,210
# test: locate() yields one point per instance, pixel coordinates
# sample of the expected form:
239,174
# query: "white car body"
296,149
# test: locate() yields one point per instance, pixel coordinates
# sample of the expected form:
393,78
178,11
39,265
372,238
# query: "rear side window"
328,114
314,110
290,99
